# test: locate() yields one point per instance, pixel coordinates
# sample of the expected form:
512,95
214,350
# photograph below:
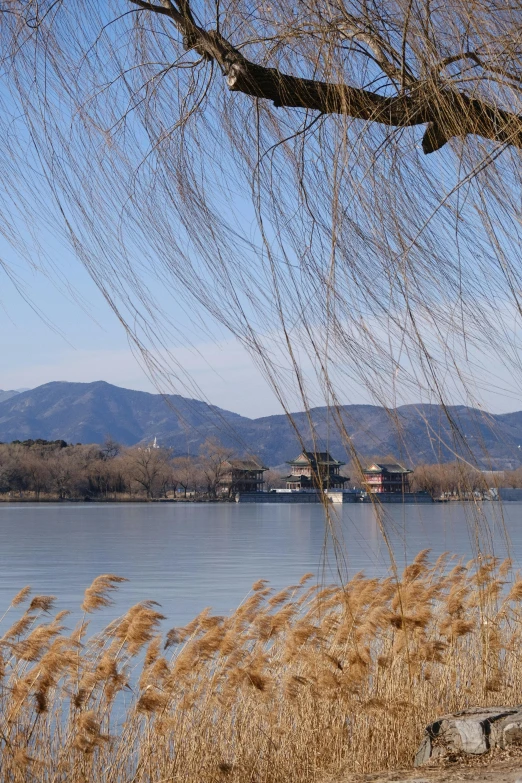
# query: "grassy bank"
290,687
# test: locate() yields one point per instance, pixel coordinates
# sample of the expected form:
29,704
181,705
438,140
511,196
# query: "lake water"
188,556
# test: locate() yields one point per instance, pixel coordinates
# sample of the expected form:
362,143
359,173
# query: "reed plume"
21,596
98,594
293,686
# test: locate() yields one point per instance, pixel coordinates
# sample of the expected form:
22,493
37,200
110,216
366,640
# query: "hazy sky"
90,344
83,342
61,328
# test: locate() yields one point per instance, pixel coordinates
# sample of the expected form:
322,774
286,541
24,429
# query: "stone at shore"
472,731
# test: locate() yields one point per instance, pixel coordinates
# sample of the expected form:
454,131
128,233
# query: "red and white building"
387,477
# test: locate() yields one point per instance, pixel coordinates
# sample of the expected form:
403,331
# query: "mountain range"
89,412
5,395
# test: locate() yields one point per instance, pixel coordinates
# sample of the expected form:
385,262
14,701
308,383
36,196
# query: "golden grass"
288,688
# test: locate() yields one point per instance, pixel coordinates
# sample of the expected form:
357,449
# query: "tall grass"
292,686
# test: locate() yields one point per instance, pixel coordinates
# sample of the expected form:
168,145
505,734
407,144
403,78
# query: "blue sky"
52,333
61,328
83,341
76,337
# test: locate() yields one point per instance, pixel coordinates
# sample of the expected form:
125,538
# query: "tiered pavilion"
315,470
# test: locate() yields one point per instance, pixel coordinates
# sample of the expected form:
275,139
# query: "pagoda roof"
245,464
386,467
317,457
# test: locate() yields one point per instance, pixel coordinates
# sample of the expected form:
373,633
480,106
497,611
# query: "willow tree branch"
484,64
448,113
353,28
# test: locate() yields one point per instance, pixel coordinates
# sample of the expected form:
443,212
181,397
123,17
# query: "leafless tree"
429,478
106,476
213,464
38,473
273,479
110,448
186,473
512,478
13,473
63,474
150,469
454,479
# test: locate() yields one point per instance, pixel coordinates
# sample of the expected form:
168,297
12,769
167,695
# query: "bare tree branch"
356,30
447,112
487,66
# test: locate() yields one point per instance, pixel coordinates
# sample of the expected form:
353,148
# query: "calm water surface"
188,556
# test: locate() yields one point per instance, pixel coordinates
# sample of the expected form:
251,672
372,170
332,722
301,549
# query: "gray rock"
472,731
424,751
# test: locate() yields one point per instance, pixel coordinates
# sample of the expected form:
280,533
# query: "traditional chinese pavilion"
315,470
242,475
387,477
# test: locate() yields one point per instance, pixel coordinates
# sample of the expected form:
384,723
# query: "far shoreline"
144,501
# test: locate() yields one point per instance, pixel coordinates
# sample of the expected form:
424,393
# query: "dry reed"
290,687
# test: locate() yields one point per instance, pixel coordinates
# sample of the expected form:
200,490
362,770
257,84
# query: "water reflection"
190,556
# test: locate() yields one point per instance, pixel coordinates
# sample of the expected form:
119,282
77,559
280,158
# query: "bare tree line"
55,470
457,479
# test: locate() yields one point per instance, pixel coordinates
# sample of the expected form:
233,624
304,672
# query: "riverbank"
262,497
120,499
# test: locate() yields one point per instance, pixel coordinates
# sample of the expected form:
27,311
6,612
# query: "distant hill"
88,412
6,395
412,433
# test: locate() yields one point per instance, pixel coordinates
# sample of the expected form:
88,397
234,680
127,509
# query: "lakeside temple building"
242,475
315,470
387,477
